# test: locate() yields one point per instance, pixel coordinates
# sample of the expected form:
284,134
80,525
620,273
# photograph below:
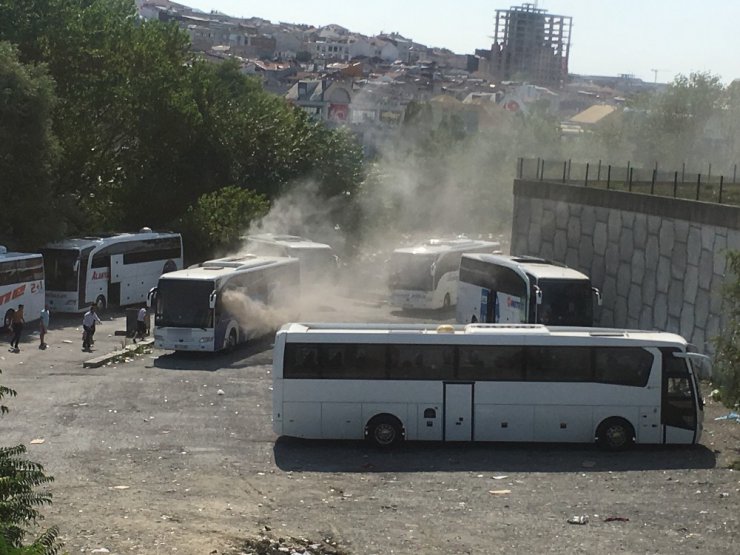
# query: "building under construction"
531,44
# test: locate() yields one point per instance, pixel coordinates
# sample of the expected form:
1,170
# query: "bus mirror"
597,294
538,294
75,265
151,296
433,268
212,300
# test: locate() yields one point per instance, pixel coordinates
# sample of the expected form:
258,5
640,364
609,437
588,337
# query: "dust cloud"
256,318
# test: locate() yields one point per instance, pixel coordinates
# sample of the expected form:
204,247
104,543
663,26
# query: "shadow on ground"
256,352
298,455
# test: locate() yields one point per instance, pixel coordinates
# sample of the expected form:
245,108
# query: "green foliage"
217,220
28,151
696,121
146,129
20,500
727,356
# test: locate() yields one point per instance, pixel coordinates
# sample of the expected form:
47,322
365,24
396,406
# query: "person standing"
88,325
44,325
16,326
140,324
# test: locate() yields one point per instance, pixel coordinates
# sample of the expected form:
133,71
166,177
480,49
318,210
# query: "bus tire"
446,302
615,434
384,431
100,303
8,319
230,342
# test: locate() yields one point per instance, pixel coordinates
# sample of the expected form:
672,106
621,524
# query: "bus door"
82,266
114,280
678,413
458,411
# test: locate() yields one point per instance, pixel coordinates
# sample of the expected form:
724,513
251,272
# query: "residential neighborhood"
344,78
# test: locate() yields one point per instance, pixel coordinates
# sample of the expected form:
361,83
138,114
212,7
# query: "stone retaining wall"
659,262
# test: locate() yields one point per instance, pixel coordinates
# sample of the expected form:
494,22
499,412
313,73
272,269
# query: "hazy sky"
608,36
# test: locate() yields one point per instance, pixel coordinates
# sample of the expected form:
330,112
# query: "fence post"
608,176
521,166
734,174
585,184
721,185
709,177
598,172
683,172
698,184
542,170
652,183
630,187
675,184
568,169
628,171
565,169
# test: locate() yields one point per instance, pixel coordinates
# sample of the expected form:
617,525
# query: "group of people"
18,320
89,322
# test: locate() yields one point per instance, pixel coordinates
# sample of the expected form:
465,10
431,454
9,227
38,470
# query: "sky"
654,40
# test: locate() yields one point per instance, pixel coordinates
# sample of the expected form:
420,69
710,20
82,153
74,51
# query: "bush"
20,499
727,356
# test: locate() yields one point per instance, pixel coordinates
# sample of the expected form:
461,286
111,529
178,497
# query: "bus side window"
301,361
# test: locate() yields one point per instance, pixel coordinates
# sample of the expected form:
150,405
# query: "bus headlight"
206,339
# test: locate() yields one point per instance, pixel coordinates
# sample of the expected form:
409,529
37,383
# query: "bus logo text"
14,294
100,275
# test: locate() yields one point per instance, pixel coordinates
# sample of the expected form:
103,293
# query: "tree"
217,220
727,356
28,151
20,500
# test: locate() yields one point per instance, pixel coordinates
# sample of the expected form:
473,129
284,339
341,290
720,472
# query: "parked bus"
425,275
108,270
523,289
221,303
485,382
317,261
21,282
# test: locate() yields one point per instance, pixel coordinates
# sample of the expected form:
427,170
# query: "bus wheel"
384,431
8,319
100,303
446,302
615,434
230,343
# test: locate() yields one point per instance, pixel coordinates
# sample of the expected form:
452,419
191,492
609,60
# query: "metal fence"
707,186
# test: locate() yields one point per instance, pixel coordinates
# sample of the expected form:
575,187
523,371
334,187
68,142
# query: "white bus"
21,282
317,260
221,303
108,270
523,289
484,382
425,276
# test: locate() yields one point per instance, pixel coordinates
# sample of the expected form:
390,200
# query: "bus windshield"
315,261
412,271
184,304
61,266
565,303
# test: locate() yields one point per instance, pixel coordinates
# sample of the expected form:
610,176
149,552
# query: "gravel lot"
148,458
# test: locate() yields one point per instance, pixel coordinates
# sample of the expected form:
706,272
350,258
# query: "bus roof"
485,330
537,267
219,267
438,246
107,238
288,241
6,256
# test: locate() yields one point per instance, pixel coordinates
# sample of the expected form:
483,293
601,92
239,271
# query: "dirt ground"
170,453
